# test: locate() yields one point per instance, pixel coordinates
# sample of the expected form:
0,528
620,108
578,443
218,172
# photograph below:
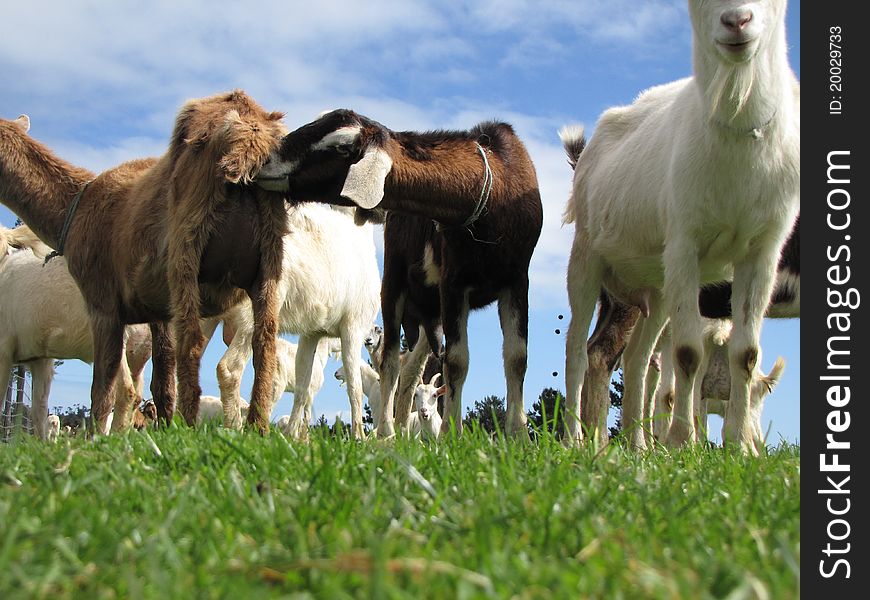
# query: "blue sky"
102,83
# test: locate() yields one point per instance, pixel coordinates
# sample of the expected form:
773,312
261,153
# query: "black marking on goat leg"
749,359
687,359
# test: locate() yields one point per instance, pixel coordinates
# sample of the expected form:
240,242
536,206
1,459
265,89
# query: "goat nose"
736,20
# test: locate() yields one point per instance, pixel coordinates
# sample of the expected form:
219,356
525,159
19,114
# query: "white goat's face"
735,28
426,398
339,158
373,339
339,374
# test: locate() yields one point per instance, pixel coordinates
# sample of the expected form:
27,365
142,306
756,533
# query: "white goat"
371,387
425,421
285,372
211,409
52,428
330,286
283,425
694,178
413,365
43,318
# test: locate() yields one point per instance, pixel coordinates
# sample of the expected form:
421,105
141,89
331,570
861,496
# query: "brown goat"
151,239
463,217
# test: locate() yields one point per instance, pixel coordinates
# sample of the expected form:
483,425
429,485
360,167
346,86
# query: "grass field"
212,513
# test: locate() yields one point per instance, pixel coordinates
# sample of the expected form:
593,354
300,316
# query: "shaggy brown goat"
463,217
151,239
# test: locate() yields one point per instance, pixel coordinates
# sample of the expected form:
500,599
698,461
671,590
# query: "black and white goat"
463,217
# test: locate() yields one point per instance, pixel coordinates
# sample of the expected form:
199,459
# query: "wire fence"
16,408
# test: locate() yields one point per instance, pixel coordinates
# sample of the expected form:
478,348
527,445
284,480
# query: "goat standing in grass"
463,217
425,421
695,178
43,317
712,386
329,287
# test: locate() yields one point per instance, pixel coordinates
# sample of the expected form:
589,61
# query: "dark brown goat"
151,239
463,217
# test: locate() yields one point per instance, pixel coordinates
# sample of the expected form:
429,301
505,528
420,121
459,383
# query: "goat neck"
37,185
749,94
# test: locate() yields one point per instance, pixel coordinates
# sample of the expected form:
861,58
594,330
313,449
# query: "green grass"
215,513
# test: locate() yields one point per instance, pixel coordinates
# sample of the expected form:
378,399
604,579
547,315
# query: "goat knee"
688,360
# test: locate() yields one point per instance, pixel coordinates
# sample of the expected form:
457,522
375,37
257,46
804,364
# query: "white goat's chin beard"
731,86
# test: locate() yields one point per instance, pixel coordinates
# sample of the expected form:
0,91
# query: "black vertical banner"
835,439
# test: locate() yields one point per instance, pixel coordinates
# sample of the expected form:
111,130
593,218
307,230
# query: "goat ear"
441,391
23,121
364,184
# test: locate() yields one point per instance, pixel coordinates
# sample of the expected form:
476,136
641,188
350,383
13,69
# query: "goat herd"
693,188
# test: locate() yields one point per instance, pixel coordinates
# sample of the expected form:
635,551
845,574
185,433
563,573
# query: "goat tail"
772,378
574,141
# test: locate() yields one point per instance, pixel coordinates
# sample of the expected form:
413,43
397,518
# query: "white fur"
43,318
329,287
411,367
339,137
211,409
52,428
715,384
283,425
425,421
433,273
696,180
371,387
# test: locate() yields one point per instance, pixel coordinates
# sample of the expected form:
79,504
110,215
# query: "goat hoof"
520,435
736,438
636,440
679,436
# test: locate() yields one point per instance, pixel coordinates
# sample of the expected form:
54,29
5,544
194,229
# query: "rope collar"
756,132
482,200
70,214
485,191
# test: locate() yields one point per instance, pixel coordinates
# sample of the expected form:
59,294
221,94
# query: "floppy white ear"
364,184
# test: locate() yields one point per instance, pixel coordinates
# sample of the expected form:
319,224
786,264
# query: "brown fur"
615,323
155,238
145,416
438,176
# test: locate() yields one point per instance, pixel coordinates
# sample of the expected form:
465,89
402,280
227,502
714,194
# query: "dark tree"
339,428
548,413
489,413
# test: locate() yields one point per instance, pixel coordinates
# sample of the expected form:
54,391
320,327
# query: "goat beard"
730,88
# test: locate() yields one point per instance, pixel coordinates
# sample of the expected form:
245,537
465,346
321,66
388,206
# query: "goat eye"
344,149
